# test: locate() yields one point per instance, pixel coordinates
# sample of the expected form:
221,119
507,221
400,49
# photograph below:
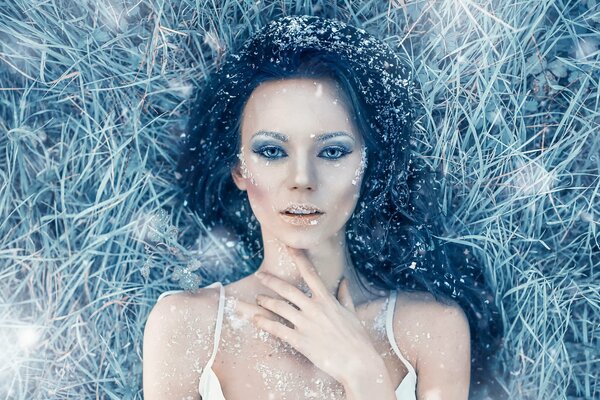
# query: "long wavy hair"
392,234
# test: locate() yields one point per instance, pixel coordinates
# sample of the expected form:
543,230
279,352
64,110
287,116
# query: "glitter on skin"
244,167
361,168
281,383
379,321
285,258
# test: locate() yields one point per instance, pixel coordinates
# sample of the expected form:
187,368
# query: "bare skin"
250,364
266,365
434,337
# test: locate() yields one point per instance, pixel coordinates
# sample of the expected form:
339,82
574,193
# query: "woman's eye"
268,152
271,152
335,152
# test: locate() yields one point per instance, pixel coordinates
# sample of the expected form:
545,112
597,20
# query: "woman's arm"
175,335
442,340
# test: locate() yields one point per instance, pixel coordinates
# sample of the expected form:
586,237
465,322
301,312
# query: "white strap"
164,294
219,323
390,331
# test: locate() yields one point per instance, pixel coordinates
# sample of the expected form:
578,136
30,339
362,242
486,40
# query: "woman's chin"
301,240
307,237
301,244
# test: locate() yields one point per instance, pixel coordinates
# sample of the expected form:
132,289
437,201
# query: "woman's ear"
238,179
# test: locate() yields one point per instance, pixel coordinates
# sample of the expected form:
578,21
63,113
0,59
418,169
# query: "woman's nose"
302,174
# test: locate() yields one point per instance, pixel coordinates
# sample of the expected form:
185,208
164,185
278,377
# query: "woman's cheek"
259,201
352,182
350,199
261,191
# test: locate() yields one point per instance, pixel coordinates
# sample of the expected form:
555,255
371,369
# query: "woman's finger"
281,308
291,336
247,311
285,290
308,272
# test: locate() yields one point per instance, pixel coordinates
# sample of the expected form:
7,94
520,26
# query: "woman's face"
300,145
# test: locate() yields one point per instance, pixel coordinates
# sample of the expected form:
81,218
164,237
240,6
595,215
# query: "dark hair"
391,232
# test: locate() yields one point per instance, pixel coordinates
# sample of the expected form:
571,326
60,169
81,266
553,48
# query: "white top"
210,386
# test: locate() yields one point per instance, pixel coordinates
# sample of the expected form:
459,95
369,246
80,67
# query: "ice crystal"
361,168
187,279
157,226
236,322
246,174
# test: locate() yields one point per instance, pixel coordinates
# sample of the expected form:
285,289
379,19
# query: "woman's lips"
302,220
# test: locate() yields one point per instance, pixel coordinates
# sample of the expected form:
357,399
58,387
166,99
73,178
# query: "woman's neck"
330,258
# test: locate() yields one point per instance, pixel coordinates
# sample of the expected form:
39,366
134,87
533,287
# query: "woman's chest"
275,380
252,363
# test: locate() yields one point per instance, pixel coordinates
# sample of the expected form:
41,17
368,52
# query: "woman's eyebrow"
320,138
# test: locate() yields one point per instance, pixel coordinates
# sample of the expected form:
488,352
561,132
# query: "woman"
300,146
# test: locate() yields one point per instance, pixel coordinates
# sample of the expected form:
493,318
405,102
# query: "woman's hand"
326,330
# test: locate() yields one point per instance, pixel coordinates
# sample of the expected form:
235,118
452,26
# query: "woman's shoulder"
184,304
415,307
178,338
428,325
415,300
419,301
177,313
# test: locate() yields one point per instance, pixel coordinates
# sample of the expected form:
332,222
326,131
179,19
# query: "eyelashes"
275,152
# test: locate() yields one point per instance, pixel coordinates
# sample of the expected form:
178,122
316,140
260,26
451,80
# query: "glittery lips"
302,220
307,214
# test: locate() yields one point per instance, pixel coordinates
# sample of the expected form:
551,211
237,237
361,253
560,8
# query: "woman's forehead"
305,105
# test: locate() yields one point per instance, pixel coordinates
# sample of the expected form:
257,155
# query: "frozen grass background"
93,101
